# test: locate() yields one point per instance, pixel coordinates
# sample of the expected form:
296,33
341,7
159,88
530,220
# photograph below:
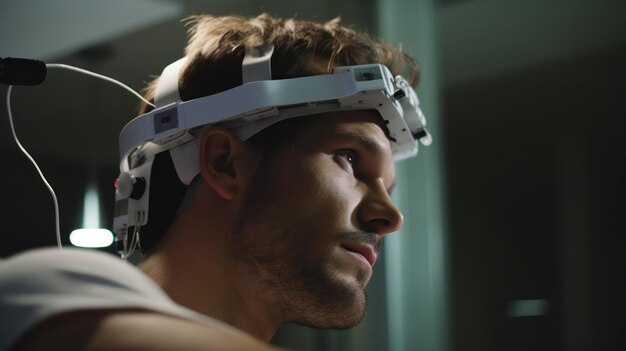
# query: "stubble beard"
306,293
305,290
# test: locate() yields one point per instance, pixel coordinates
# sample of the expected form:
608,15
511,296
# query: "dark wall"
536,164
27,214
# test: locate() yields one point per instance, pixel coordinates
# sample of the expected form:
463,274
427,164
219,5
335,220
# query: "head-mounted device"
176,126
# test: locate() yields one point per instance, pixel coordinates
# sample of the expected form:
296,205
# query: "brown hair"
216,49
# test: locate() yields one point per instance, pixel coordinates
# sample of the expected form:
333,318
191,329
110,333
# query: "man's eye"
348,155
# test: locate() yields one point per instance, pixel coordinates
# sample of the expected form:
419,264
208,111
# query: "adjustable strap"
167,87
257,64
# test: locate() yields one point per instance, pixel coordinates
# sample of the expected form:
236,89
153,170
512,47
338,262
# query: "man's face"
316,210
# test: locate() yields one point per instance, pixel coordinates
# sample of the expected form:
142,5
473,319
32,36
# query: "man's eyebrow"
369,143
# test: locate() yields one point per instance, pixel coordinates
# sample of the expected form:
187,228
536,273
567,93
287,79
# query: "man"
283,226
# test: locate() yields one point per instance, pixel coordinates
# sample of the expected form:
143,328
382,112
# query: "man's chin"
327,323
340,314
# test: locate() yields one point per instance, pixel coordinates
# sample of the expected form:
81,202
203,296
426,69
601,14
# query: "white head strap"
257,64
167,87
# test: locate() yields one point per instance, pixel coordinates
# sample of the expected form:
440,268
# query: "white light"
90,237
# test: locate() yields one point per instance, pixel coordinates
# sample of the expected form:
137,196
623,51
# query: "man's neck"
210,282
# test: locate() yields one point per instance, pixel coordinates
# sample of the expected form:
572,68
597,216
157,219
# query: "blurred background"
514,237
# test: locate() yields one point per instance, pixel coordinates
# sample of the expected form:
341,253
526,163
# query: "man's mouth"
365,251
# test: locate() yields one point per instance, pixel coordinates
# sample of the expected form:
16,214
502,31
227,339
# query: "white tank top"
38,284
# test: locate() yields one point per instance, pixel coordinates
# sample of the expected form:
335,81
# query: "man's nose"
378,213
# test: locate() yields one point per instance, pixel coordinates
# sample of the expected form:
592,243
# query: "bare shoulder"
133,330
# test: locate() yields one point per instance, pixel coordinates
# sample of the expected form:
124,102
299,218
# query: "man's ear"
224,160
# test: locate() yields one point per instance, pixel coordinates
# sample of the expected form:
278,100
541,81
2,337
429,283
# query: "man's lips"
362,249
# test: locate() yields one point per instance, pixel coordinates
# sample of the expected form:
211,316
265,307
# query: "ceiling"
76,118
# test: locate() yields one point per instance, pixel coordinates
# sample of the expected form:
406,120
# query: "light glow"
91,235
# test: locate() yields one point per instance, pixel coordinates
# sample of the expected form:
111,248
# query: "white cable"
108,79
129,248
32,160
54,196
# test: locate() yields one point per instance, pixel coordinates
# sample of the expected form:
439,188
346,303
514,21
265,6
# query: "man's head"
215,53
303,204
